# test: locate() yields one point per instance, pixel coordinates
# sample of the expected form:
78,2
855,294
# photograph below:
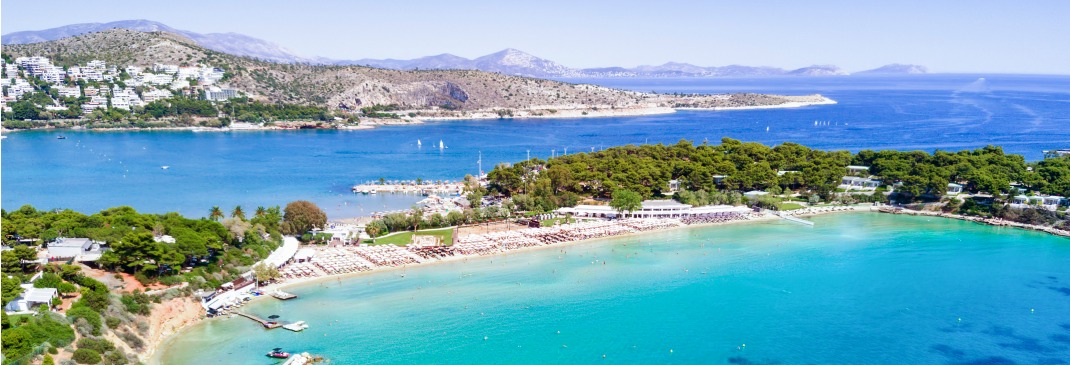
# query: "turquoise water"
854,289
90,171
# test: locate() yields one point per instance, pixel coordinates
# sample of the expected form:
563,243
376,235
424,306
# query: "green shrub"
112,322
137,302
88,314
86,356
98,345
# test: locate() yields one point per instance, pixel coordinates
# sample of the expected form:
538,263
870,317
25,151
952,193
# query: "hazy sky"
946,36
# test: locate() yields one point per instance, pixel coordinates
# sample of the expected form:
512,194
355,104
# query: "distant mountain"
508,61
231,43
897,69
819,70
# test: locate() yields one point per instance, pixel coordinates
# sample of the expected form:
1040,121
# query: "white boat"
418,143
165,167
441,145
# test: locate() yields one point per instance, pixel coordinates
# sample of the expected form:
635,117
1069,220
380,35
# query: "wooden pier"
267,324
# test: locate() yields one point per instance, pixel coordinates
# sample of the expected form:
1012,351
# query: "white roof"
664,204
305,253
284,253
39,295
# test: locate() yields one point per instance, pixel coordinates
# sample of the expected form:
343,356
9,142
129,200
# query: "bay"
90,171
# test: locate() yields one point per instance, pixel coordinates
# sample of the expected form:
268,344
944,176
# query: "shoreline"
995,222
530,113
154,353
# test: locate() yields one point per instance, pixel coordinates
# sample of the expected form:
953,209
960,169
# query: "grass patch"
550,222
404,238
790,206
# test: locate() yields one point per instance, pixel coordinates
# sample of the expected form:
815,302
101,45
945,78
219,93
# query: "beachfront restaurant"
654,209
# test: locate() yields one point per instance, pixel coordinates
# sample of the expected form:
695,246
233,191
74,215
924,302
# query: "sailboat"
419,144
766,128
441,145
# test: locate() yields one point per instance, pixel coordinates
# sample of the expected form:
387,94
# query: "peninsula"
122,78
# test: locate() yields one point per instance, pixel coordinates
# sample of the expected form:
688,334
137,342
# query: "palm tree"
382,181
215,213
238,213
261,212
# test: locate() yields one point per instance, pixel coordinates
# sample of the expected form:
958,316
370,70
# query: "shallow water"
855,288
90,171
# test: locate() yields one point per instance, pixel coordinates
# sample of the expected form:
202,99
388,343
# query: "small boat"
418,143
278,353
61,137
165,167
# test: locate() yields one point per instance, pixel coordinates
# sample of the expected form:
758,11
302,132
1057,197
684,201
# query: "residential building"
953,188
217,94
859,183
31,298
856,170
79,249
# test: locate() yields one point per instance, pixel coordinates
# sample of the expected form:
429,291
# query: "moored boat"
278,353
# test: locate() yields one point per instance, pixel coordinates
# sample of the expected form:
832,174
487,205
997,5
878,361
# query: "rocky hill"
444,93
230,43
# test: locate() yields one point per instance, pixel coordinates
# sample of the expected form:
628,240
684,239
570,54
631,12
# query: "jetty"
795,219
410,187
267,324
296,326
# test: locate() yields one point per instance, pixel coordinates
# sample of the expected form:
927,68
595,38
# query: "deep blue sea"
90,171
861,288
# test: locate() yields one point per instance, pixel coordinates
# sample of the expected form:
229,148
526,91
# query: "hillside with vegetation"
433,93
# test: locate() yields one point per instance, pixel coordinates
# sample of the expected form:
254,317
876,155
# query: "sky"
946,36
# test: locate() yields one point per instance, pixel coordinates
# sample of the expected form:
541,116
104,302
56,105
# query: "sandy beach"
179,325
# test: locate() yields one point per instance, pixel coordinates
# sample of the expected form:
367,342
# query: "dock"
281,295
267,324
296,326
796,220
411,187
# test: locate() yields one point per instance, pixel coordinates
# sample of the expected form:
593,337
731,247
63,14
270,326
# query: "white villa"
655,209
953,188
79,249
860,183
31,298
1050,202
